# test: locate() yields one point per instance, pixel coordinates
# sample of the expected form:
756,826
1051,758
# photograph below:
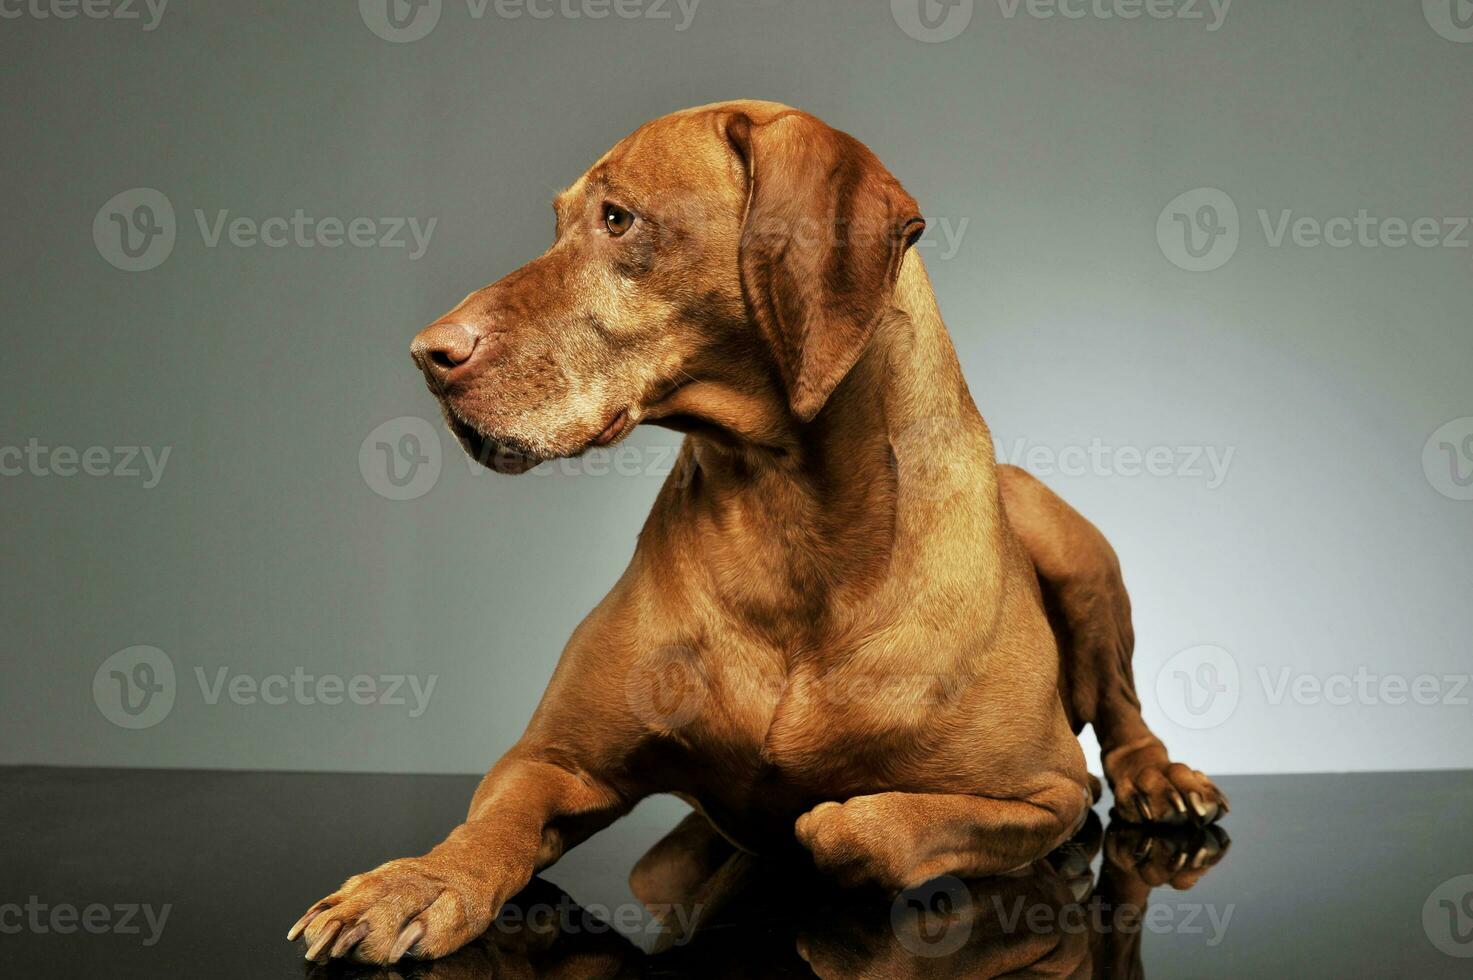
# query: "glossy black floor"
162,874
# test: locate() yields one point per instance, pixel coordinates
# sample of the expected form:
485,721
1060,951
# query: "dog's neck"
797,517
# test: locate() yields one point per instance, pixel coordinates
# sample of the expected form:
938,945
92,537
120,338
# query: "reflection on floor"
194,873
729,915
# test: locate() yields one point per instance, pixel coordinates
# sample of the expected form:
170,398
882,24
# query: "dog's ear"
825,229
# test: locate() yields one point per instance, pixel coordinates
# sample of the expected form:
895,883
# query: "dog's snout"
442,348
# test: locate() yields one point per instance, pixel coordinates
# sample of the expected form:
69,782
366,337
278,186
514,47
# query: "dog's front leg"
900,840
527,811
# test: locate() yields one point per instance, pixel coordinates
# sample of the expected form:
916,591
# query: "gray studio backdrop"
1208,267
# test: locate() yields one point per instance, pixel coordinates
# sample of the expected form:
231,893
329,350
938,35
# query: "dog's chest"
809,732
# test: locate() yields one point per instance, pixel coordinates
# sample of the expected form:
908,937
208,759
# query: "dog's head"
740,248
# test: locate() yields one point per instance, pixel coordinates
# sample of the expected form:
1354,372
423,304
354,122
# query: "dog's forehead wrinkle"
575,196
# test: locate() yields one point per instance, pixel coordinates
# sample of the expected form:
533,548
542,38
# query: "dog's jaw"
512,456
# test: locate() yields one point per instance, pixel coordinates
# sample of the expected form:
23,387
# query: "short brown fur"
845,631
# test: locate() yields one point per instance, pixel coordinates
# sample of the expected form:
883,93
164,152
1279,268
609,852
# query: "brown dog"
886,642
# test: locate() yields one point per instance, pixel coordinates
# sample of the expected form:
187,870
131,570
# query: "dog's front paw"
850,844
424,907
1165,793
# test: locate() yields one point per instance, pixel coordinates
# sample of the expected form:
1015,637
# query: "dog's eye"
617,220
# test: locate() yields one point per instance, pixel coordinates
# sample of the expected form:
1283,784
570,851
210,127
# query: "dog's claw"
349,939
328,932
1167,795
412,934
305,921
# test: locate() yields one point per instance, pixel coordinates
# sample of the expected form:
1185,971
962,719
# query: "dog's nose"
442,347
